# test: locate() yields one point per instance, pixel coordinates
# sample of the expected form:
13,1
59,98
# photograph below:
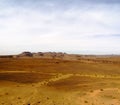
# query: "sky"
72,26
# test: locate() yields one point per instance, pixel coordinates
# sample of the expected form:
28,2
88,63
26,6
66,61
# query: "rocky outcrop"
26,54
51,55
65,56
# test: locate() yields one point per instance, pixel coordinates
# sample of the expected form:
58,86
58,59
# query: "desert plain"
74,80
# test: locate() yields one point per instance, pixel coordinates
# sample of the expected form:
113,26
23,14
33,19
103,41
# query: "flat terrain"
37,81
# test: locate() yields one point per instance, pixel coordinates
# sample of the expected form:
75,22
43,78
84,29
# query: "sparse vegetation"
101,90
91,91
86,101
57,81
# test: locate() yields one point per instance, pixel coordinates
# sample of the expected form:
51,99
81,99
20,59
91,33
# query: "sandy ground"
90,84
12,93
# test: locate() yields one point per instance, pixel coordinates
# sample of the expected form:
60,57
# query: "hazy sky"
73,26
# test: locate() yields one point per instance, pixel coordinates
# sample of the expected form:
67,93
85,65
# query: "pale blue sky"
72,26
